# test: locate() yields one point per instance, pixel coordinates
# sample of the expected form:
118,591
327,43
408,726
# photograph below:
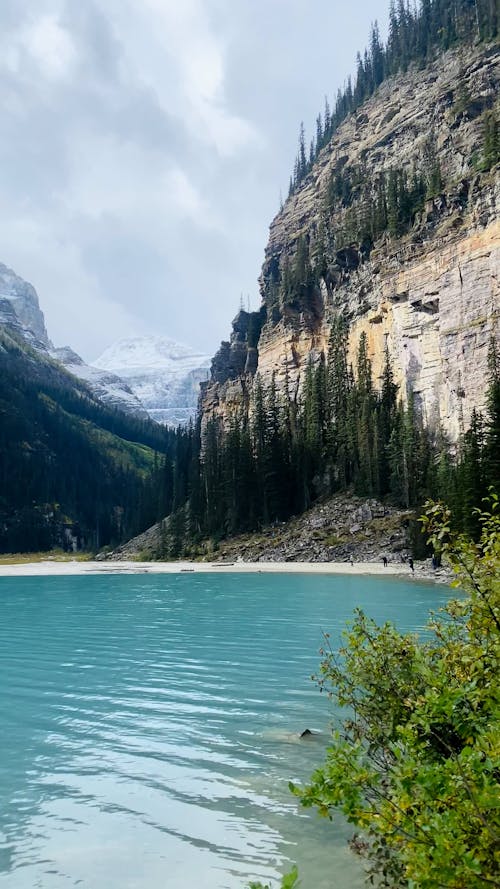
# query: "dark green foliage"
341,434
413,757
72,469
491,452
491,142
415,36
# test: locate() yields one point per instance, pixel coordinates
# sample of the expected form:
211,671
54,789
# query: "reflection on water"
149,726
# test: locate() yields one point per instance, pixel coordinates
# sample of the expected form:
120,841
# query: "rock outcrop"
431,295
338,529
19,308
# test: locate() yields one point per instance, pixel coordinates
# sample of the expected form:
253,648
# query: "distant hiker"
385,561
351,560
410,562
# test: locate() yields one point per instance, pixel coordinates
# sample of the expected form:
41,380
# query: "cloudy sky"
143,145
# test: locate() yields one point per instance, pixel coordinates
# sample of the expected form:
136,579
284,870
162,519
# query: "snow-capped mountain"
20,312
19,308
141,375
163,374
107,386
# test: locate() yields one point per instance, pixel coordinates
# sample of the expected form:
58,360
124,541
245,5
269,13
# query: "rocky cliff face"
430,295
19,308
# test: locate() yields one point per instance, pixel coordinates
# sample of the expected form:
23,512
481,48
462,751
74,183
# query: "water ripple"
149,726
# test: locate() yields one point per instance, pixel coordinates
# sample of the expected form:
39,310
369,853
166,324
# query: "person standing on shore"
384,560
410,562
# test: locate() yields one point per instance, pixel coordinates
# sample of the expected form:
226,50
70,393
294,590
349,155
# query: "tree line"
281,454
64,467
415,35
72,470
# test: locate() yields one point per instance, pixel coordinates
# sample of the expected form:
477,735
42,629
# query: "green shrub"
415,763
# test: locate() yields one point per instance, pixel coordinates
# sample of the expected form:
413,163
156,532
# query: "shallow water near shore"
149,726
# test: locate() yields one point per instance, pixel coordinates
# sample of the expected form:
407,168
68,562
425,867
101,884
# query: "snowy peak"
140,375
108,387
163,374
18,298
20,311
151,352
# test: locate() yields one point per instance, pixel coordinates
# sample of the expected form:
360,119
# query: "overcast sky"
143,145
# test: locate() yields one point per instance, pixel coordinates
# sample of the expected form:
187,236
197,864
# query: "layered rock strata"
430,296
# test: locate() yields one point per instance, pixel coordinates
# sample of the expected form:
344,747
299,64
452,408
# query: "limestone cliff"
431,295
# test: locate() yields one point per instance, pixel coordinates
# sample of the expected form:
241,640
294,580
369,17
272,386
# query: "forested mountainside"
145,376
73,472
395,229
373,363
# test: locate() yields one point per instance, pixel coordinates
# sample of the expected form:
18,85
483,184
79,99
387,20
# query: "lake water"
148,726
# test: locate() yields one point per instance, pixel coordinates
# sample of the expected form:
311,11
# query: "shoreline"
51,568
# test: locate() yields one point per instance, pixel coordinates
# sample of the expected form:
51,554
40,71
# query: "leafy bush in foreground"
415,763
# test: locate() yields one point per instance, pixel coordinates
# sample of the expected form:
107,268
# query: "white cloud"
136,184
77,311
175,51
185,195
50,46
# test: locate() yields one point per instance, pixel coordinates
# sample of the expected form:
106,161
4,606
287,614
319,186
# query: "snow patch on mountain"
163,374
108,387
19,308
20,312
139,375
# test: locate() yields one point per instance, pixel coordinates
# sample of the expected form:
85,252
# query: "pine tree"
319,133
491,142
492,422
385,416
259,448
302,159
471,474
337,405
376,55
327,121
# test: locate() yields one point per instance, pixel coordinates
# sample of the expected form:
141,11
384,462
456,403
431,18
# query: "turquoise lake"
148,726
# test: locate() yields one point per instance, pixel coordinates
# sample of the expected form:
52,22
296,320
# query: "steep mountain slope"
163,375
143,376
421,281
19,306
108,387
73,472
20,311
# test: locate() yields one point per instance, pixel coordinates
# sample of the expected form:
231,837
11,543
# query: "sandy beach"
54,568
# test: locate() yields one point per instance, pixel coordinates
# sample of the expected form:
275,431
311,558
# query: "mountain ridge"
162,373
161,382
389,289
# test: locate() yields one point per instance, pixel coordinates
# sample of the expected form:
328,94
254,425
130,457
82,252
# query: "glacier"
163,374
146,376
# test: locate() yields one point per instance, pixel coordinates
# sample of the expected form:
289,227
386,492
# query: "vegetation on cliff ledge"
342,435
415,36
